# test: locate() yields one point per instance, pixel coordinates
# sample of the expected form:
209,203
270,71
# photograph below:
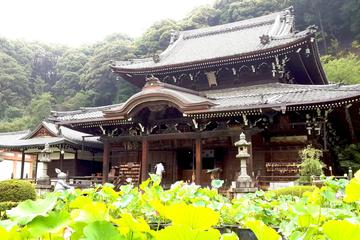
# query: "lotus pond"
186,212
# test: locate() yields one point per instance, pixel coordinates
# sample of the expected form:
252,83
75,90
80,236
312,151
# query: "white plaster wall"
6,168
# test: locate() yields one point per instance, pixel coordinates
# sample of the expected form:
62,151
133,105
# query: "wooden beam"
304,67
144,159
106,160
198,161
183,135
22,164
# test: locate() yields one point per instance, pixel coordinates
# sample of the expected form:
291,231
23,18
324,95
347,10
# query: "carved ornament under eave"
152,82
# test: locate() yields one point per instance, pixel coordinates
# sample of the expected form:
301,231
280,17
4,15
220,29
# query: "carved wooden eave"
218,103
156,94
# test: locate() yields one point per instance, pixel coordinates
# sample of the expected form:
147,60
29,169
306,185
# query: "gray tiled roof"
224,40
257,96
63,135
33,142
278,94
83,113
11,136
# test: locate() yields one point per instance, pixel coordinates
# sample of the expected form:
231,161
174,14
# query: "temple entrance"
179,159
186,164
212,159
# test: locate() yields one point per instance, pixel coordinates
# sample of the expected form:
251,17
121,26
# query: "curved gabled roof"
61,135
154,92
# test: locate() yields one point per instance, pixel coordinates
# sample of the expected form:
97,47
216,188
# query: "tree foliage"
311,164
37,77
156,38
345,69
349,156
98,78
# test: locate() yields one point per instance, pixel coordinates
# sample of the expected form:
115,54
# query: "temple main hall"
261,77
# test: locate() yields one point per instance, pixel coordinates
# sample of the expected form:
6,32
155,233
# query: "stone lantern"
243,182
243,155
44,159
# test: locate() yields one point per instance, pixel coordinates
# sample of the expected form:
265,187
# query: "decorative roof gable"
157,93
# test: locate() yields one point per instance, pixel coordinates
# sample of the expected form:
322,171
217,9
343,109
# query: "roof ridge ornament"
174,35
152,81
312,28
264,39
290,10
156,58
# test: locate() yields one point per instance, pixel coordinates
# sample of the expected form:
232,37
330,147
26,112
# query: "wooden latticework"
130,170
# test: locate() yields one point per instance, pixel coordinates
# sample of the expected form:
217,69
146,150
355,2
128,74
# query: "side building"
35,154
258,76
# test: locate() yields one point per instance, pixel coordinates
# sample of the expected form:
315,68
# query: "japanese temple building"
259,76
76,153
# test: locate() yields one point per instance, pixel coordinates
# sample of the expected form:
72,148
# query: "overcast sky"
74,22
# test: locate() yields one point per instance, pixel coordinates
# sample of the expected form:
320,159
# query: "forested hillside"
37,77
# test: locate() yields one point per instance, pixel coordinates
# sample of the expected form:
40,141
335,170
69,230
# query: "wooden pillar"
15,162
75,172
144,159
350,124
93,163
22,164
61,159
251,159
106,160
175,163
198,161
36,165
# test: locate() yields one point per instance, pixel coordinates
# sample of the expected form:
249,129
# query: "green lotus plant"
186,211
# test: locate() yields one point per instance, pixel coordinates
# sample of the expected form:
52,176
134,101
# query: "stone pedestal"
42,177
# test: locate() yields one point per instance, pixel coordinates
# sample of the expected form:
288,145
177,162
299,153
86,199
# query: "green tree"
14,88
202,16
235,10
40,108
351,12
124,91
15,124
311,164
97,76
13,112
342,70
80,99
156,38
349,156
70,69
